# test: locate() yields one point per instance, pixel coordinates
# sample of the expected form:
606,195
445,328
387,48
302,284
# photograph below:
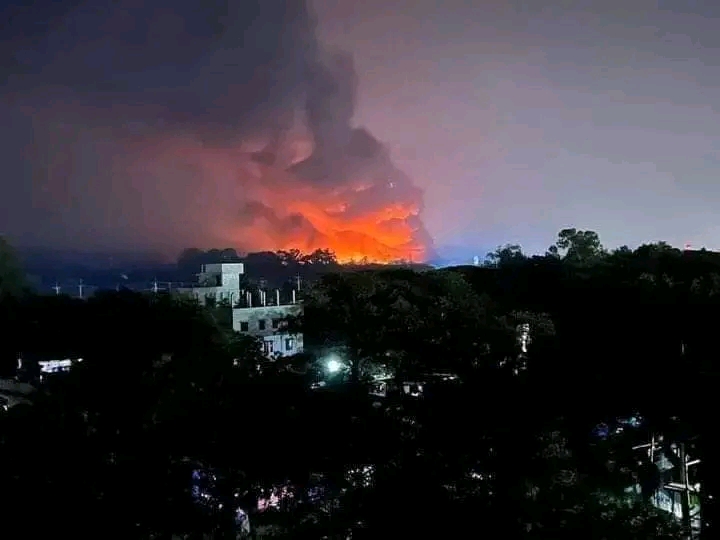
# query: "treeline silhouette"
276,268
503,441
272,269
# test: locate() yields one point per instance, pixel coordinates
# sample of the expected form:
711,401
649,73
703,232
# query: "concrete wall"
254,315
283,344
223,268
220,281
219,293
224,279
278,341
230,281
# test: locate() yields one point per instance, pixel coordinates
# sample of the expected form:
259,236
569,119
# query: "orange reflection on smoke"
238,202
353,221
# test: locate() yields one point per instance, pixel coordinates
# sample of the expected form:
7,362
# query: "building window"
268,347
276,323
261,324
289,344
244,326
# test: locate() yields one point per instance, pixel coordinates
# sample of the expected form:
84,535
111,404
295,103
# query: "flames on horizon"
362,220
334,187
315,183
234,128
374,215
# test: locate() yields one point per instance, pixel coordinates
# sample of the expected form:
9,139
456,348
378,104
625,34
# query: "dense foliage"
503,442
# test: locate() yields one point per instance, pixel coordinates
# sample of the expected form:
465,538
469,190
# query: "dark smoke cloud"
129,123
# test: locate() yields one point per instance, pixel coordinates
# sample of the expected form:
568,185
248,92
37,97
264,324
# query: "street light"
333,365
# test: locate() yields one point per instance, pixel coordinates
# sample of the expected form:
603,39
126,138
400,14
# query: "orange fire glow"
257,207
365,219
333,219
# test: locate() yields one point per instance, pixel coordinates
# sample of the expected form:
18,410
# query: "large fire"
370,213
335,187
210,131
357,220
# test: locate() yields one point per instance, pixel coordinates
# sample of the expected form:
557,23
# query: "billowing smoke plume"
164,125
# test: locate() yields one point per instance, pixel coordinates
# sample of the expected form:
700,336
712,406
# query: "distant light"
53,366
333,365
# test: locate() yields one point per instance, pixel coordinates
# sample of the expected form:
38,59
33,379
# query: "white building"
256,313
269,322
219,281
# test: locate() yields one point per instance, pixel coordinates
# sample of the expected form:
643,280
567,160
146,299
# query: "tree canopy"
501,376
12,278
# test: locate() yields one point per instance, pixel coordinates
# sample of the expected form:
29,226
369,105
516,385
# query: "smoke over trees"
164,125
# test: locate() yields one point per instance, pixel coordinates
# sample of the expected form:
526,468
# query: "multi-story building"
254,312
270,322
217,282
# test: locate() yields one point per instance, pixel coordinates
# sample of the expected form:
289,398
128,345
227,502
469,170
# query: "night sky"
515,120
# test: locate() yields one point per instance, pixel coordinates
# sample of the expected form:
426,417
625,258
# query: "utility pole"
682,487
299,279
652,448
685,493
81,286
56,288
155,286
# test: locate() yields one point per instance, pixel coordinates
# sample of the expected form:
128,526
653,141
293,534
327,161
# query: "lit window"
244,326
289,344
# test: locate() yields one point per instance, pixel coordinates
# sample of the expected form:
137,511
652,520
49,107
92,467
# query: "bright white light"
53,366
333,366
